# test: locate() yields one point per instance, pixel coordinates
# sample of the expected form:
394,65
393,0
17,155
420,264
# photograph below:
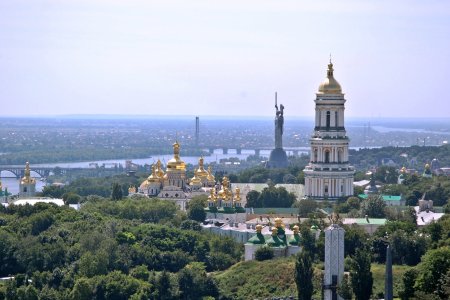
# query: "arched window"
336,120
315,154
328,119
327,156
339,156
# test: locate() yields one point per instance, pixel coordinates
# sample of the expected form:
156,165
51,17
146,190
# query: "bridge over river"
18,172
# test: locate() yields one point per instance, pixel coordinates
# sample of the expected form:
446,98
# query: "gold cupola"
210,177
154,176
159,170
330,85
225,193
195,181
237,194
27,179
201,172
212,198
176,164
258,228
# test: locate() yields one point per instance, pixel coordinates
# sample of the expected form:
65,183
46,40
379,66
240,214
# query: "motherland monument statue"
278,157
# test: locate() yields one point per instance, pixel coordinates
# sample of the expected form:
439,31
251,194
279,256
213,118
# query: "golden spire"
296,229
176,163
176,149
27,169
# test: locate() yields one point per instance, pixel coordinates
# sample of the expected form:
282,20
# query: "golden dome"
427,166
258,228
295,229
212,195
237,194
274,231
278,222
159,170
210,177
195,180
176,164
131,189
225,193
403,170
330,85
201,172
27,179
154,176
145,184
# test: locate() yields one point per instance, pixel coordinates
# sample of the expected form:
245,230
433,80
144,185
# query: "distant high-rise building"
329,175
197,130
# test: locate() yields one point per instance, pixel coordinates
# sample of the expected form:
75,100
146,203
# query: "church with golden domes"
329,174
173,184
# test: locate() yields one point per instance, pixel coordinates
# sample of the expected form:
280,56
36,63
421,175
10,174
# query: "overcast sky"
189,57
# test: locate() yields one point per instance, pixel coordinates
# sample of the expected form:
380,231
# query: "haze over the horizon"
222,57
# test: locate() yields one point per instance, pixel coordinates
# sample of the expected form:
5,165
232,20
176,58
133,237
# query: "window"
327,156
336,119
328,119
315,155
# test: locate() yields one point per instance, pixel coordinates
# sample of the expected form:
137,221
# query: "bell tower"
329,175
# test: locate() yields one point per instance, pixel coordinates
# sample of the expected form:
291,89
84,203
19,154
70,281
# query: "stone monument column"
334,260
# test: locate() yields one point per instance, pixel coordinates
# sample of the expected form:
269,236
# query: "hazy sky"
189,57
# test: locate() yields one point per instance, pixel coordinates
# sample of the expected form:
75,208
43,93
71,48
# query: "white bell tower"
329,175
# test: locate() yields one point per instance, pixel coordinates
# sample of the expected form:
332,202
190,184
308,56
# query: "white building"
329,175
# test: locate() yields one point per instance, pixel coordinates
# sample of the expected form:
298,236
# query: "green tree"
304,274
361,276
407,290
345,288
355,237
263,253
306,206
373,207
434,266
196,209
308,240
163,286
116,193
253,199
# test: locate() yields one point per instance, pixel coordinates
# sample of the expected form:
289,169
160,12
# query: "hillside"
258,280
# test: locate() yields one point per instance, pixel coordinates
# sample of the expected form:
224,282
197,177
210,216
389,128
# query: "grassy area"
378,277
258,280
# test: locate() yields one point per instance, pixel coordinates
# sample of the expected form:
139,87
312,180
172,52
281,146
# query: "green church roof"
385,197
294,240
257,239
